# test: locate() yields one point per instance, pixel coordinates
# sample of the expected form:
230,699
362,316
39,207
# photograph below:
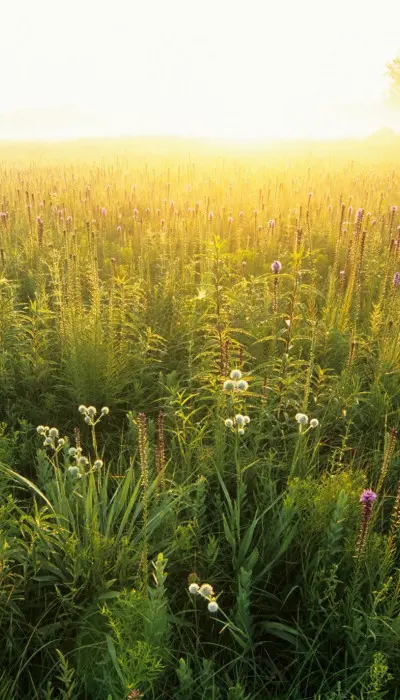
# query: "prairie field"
199,404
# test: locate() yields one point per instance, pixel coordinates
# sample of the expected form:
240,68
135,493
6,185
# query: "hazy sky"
253,68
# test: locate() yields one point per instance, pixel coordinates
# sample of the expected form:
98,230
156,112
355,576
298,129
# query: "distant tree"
393,72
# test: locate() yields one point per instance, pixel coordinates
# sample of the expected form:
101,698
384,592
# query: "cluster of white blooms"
90,412
51,437
302,419
236,382
239,422
205,591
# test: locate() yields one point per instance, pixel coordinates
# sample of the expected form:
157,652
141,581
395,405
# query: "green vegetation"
199,381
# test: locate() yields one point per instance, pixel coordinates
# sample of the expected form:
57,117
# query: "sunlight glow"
218,68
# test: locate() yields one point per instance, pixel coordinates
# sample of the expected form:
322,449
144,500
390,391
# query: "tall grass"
188,532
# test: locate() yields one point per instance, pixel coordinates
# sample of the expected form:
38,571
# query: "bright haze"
216,68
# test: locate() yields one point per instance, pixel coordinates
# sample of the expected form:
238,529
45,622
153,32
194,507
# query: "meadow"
199,404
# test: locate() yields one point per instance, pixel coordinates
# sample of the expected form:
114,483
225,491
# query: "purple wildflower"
367,499
276,267
396,279
393,209
368,496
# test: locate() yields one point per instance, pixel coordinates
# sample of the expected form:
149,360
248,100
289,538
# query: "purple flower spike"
276,267
367,496
396,279
393,209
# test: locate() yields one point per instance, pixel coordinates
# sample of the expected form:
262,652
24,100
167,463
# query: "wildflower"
105,411
119,229
213,606
246,420
73,472
236,374
314,423
229,385
393,209
194,588
88,420
83,461
92,411
230,219
396,279
206,590
41,430
241,431
276,267
271,223
48,442
301,418
72,451
60,442
229,423
53,432
367,499
242,385
368,496
98,464
82,409
239,420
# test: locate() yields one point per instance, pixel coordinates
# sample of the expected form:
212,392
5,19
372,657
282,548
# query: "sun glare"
214,69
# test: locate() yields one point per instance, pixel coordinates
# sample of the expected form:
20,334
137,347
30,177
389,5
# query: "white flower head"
229,385
246,420
73,471
72,451
82,409
314,423
92,410
242,385
82,461
194,588
239,420
87,420
105,411
48,442
236,374
61,442
53,433
229,422
241,431
301,418
206,590
98,464
213,606
41,430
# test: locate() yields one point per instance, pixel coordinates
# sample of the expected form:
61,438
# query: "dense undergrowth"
135,470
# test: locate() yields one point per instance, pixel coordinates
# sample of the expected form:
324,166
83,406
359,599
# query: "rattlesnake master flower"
213,606
206,590
60,442
242,385
48,442
73,471
229,385
53,432
229,423
83,461
239,420
41,430
88,420
98,464
314,423
72,451
105,411
246,420
276,267
241,431
301,418
367,496
236,374
194,588
92,410
82,409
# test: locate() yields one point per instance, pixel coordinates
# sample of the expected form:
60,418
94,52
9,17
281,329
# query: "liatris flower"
103,211
367,499
230,219
271,223
393,209
40,230
276,267
119,229
396,280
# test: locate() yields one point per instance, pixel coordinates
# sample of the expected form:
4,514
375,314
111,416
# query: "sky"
253,69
